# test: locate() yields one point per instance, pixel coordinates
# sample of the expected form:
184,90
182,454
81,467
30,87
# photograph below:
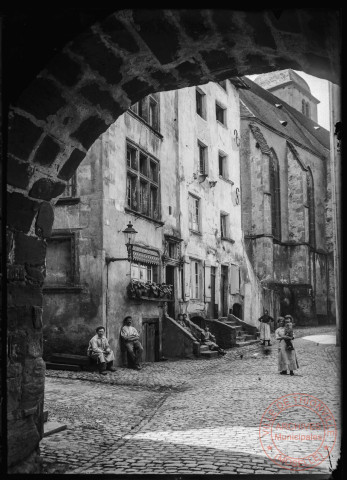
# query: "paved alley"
189,416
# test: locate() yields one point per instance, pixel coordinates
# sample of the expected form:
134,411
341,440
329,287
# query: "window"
145,273
148,110
200,103
202,167
222,165
70,190
142,189
153,117
303,110
308,110
60,260
275,196
224,225
311,209
172,248
195,279
194,213
220,114
145,266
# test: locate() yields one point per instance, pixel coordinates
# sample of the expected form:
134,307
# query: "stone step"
70,359
246,342
52,427
209,354
63,366
249,336
204,348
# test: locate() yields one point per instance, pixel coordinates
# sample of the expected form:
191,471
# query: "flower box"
160,292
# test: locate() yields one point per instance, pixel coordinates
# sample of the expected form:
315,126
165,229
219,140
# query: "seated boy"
208,339
100,351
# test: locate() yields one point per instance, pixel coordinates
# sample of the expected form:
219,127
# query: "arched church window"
275,195
311,209
307,110
303,109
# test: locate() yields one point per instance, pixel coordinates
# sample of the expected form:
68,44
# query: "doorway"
170,280
224,290
213,306
150,339
237,310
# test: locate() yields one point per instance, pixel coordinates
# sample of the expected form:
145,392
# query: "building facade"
286,209
170,166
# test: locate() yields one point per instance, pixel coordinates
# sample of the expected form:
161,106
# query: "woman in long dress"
287,359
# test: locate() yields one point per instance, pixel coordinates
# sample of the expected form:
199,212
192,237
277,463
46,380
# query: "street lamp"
129,234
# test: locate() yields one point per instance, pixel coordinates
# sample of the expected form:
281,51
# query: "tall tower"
290,87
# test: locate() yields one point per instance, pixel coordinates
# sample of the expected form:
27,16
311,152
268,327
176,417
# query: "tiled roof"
264,147
296,154
262,105
244,111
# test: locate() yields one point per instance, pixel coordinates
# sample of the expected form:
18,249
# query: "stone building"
171,166
285,191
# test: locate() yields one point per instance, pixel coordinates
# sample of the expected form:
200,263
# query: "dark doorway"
237,310
224,290
199,321
170,279
213,306
150,339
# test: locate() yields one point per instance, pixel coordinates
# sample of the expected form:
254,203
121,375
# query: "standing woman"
286,358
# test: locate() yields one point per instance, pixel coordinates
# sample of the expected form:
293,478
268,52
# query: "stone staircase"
206,353
245,334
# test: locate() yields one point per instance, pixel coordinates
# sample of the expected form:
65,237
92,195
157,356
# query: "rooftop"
256,102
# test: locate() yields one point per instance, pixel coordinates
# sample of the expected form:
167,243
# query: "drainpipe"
204,283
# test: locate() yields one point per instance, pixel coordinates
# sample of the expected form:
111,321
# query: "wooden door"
150,339
213,306
224,290
170,279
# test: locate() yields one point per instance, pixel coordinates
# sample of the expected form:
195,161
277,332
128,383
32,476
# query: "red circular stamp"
297,431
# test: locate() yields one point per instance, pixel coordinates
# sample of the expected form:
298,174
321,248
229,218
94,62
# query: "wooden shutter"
207,283
201,283
186,279
234,281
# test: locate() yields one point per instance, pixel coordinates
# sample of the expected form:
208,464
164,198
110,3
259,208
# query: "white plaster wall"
208,246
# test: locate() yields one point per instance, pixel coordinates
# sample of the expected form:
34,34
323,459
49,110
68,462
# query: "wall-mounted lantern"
129,234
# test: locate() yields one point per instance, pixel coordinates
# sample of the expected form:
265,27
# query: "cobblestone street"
189,416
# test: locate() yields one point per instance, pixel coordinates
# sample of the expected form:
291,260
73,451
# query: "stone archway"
78,94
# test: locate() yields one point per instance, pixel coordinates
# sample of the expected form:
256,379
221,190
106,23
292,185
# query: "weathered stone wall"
287,261
73,311
294,97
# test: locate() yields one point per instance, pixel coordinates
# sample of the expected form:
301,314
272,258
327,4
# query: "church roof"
274,79
261,104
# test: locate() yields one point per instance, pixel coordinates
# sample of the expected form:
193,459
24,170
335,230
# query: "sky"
320,90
